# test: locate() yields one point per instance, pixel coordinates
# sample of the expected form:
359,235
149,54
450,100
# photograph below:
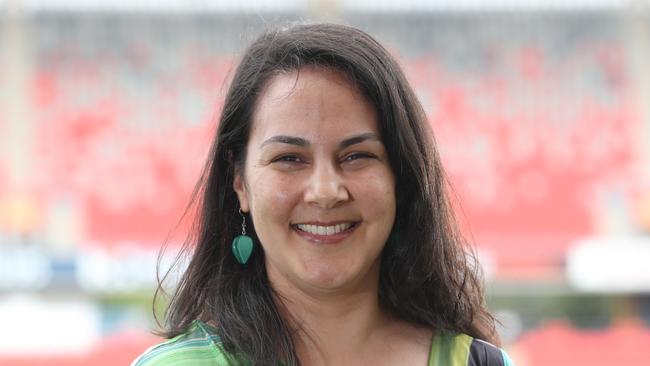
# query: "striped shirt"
201,346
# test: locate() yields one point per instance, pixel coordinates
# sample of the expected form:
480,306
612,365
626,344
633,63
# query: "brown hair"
428,276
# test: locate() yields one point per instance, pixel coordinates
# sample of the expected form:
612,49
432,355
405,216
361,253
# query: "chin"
329,278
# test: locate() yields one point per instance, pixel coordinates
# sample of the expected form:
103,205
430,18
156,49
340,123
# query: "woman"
325,236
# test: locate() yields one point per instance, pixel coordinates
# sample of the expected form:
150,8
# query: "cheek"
272,196
378,192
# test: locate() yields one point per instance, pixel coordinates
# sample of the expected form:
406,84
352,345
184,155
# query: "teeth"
324,230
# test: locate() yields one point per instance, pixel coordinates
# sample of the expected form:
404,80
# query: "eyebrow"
290,140
299,141
358,139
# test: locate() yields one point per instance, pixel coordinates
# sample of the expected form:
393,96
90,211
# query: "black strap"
482,353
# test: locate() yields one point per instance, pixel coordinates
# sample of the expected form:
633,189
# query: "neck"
332,324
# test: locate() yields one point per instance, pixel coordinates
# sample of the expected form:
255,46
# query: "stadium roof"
300,5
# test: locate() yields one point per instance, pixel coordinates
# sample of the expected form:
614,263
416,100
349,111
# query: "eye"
288,159
357,156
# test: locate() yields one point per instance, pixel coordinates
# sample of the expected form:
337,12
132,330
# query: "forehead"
312,103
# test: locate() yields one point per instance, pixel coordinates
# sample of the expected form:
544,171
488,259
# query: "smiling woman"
318,184
325,235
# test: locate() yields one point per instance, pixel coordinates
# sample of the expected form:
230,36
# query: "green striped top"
201,346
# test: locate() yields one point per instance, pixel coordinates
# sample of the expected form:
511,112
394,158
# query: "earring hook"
243,223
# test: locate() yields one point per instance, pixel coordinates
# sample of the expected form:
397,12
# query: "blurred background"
541,109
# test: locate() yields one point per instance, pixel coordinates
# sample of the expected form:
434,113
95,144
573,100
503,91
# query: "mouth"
323,233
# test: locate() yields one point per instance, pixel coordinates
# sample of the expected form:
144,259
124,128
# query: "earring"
242,245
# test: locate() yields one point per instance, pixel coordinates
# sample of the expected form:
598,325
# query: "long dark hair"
428,276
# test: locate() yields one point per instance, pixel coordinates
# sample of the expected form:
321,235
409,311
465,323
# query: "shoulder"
461,349
198,345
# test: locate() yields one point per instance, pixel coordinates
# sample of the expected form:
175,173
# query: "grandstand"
106,116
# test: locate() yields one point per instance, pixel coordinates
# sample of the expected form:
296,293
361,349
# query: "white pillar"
636,23
18,210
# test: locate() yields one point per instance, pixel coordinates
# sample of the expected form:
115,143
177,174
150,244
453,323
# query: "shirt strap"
449,349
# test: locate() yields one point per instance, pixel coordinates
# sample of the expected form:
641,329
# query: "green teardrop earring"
242,245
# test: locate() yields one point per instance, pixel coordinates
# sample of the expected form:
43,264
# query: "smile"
323,233
325,230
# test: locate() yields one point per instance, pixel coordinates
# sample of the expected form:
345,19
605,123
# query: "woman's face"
317,182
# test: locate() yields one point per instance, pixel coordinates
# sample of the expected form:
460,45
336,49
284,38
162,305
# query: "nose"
326,187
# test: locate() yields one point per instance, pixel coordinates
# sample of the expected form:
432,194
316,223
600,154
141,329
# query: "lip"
326,239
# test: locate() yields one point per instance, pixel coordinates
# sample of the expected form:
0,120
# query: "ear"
239,185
